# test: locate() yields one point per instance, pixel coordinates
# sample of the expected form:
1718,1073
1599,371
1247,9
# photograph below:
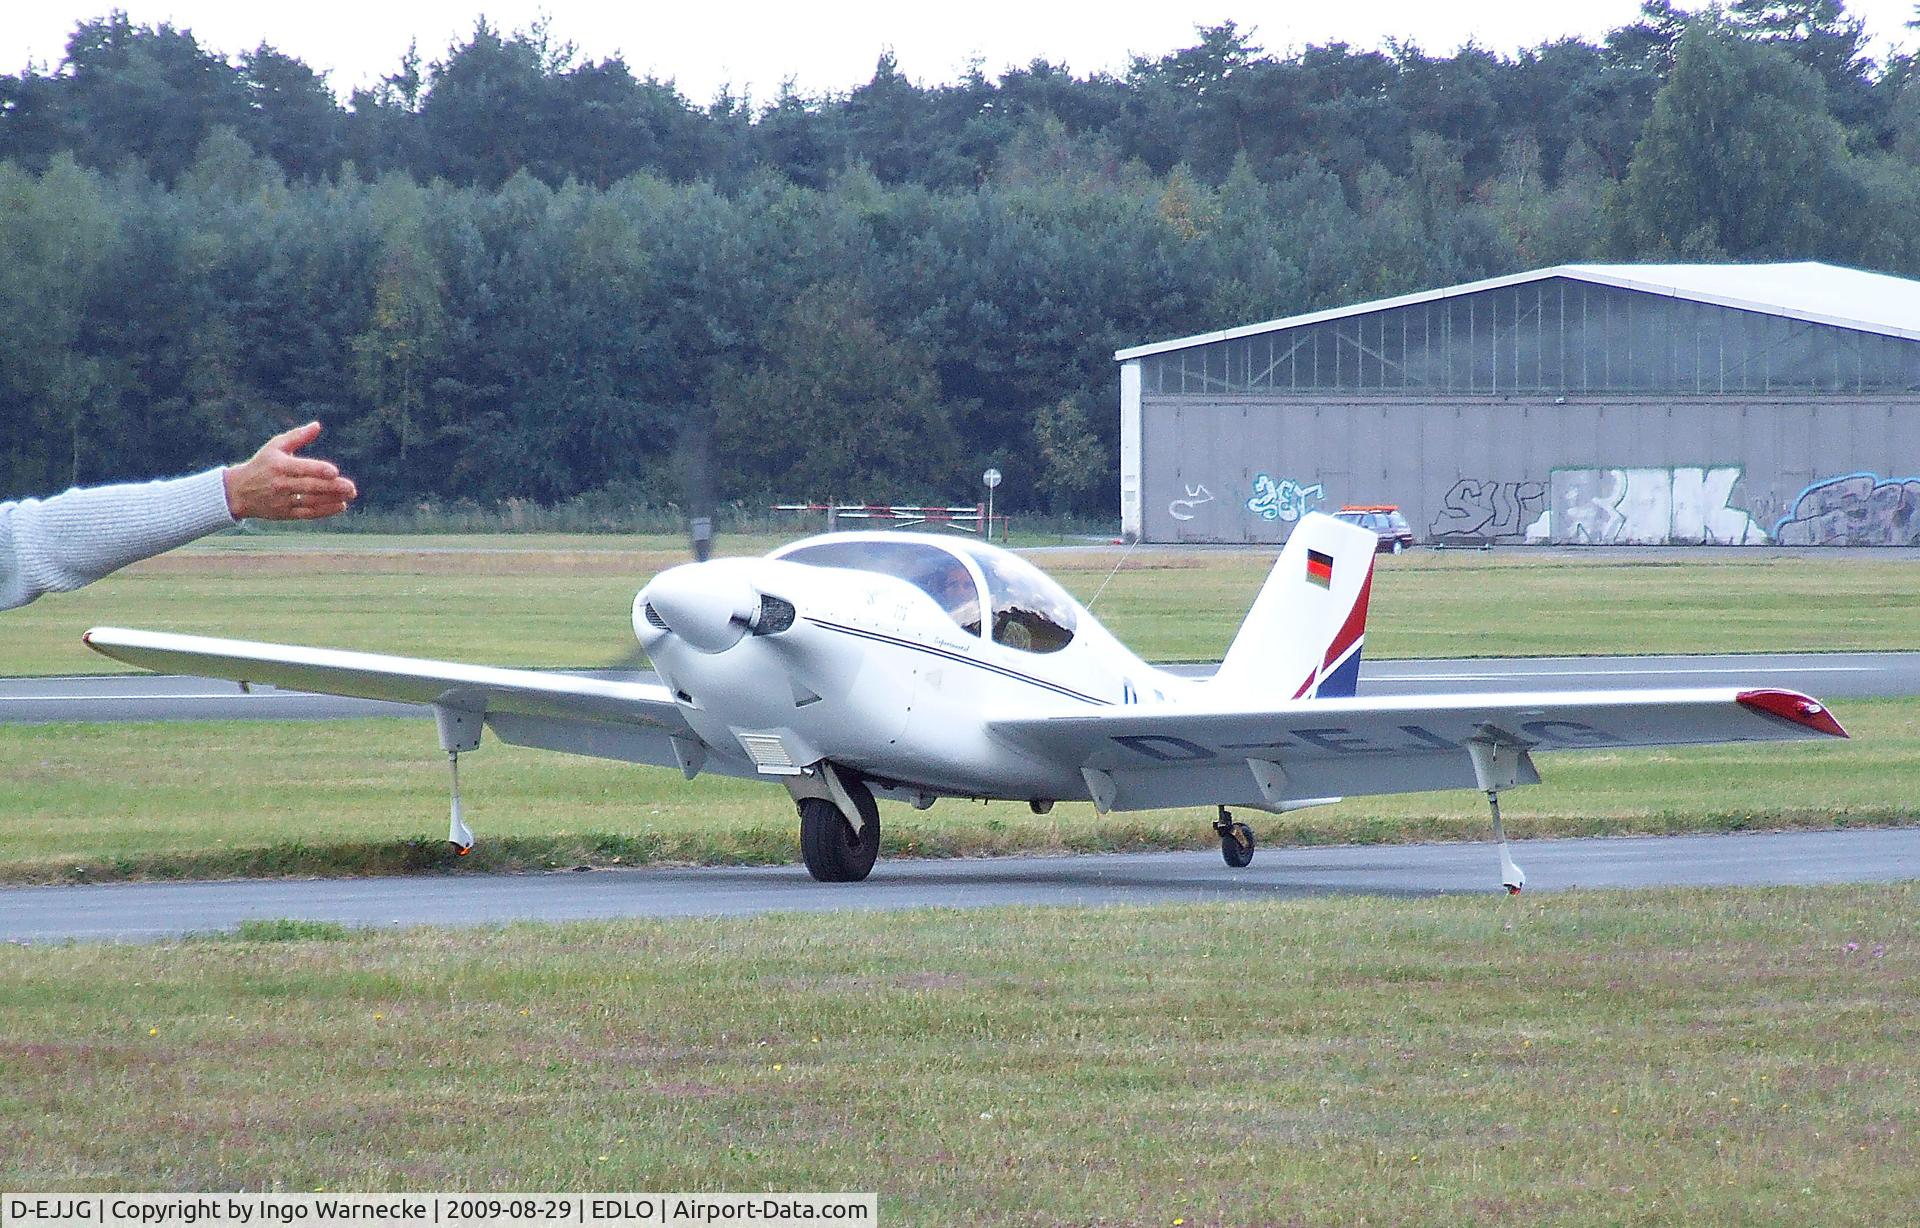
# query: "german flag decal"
1319,568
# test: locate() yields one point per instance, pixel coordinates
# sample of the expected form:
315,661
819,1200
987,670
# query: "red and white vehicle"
864,666
1386,522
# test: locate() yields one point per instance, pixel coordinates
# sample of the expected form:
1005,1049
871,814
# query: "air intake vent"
653,617
769,754
775,616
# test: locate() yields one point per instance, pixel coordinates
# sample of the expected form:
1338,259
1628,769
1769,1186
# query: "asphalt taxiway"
150,911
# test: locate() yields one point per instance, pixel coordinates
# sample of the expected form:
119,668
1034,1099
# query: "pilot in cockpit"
952,586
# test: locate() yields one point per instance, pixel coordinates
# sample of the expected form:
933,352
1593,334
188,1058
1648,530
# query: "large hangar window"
1552,336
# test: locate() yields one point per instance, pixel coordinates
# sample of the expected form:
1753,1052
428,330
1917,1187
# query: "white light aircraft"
914,667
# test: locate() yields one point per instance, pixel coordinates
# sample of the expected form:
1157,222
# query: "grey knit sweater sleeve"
60,543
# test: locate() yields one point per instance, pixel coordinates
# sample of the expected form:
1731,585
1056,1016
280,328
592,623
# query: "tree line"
514,273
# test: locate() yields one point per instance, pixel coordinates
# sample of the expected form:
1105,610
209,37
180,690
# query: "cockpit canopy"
1030,611
1026,610
938,573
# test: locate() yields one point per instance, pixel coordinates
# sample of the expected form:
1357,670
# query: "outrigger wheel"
1236,840
828,844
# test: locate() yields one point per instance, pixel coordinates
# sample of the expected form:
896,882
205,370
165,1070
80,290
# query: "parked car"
1384,519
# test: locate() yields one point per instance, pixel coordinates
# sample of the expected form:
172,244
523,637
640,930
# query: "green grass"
1655,1057
567,600
560,601
97,802
285,929
1624,1058
1186,606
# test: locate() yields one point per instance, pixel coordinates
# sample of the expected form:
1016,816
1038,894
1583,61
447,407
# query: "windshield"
928,568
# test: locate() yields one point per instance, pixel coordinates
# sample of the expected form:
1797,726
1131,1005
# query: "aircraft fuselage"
874,675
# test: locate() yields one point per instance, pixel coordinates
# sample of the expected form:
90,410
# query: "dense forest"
514,273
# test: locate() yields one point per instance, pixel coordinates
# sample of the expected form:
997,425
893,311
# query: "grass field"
1658,1057
1738,1056
567,601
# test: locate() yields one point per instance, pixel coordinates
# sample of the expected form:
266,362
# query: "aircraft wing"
633,721
1287,754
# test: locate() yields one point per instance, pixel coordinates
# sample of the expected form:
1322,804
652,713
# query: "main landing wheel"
1236,841
833,853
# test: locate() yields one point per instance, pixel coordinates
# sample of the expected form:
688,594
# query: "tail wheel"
832,851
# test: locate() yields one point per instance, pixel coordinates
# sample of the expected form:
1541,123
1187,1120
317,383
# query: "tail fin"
1302,638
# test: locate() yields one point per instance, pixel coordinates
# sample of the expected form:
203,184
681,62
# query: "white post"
1132,496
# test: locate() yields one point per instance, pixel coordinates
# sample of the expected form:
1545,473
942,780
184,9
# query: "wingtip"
1795,707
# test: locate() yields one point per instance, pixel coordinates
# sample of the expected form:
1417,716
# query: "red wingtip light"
1793,706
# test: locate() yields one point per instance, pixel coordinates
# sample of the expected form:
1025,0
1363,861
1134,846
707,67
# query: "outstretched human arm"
68,540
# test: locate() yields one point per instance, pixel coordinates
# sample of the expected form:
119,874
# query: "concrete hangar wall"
1600,404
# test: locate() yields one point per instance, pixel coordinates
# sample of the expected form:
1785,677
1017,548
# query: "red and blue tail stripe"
1338,675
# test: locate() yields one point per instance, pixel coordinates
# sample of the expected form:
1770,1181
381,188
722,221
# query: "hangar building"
1585,403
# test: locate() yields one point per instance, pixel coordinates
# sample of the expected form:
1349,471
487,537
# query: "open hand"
278,485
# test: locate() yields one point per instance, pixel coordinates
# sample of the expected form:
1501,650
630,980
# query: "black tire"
833,854
1236,846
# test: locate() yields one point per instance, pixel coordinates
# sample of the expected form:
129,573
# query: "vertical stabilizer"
1303,636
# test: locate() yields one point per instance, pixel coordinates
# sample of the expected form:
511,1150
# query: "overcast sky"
826,46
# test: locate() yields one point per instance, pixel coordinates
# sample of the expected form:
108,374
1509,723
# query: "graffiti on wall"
1690,505
1860,509
1283,500
1182,509
1488,511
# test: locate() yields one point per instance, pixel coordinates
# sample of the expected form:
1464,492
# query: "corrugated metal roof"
1804,290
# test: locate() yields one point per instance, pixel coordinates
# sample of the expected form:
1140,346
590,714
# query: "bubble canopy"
1026,609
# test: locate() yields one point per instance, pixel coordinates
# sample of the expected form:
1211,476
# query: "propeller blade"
694,461
696,465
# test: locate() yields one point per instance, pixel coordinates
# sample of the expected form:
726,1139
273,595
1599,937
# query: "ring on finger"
299,496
